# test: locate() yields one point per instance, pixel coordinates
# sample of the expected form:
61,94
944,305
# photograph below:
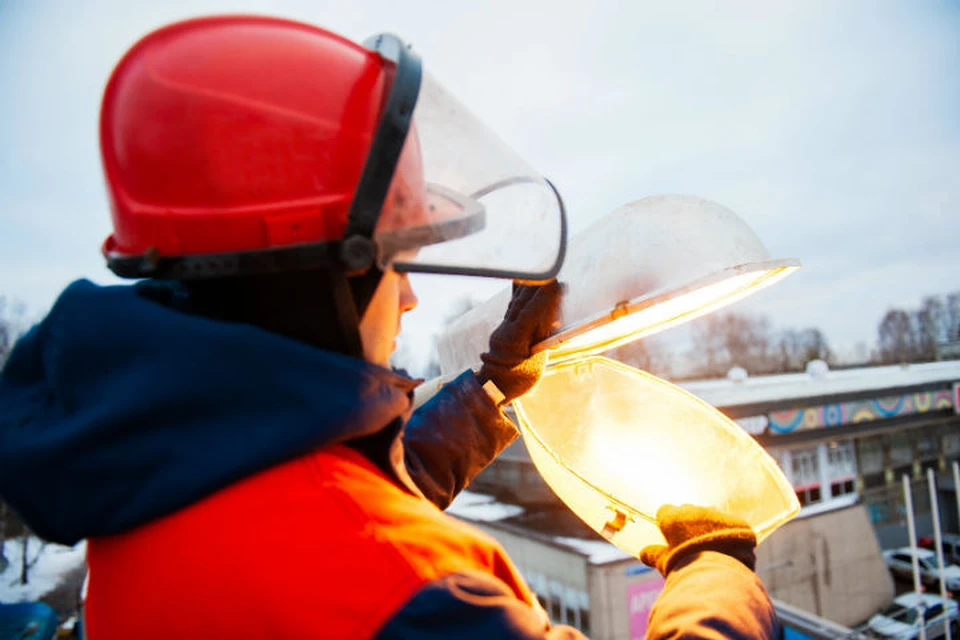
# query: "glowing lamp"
615,443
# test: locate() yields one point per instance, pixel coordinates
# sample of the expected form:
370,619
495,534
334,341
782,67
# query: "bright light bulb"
658,312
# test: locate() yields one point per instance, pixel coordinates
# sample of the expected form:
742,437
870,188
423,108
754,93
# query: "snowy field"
51,565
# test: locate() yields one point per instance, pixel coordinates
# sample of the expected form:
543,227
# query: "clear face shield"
465,201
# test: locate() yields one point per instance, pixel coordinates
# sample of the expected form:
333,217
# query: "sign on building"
640,599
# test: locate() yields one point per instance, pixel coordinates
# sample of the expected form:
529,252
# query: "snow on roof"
729,393
597,551
50,563
481,508
830,504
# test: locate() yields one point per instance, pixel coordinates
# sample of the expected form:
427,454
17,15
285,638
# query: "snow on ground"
481,508
53,562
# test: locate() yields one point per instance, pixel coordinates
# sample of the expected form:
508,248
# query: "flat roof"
557,527
562,528
759,389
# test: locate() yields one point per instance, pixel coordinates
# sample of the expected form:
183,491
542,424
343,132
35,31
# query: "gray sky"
832,128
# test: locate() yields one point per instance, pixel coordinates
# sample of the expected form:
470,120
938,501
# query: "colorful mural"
833,415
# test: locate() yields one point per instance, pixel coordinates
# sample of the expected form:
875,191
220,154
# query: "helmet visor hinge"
357,253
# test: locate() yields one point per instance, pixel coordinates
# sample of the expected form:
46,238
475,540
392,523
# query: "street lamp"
615,443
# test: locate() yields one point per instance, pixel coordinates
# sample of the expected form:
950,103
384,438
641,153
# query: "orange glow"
660,312
616,443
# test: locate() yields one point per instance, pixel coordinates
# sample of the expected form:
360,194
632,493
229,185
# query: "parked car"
951,546
900,563
901,620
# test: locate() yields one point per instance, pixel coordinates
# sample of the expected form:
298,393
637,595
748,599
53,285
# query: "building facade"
854,434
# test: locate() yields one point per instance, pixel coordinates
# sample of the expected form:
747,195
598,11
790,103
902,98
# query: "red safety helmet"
238,144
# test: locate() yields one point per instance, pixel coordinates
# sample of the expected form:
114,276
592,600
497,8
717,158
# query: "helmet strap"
348,311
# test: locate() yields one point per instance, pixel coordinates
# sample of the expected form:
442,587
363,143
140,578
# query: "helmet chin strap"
350,309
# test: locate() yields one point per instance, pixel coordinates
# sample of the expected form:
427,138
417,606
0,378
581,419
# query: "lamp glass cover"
616,443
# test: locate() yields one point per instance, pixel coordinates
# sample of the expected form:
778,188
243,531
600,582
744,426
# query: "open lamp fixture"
615,443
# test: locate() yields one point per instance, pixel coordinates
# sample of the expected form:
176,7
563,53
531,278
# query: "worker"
227,432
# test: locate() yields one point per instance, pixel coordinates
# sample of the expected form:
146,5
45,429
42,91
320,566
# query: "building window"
870,451
804,467
840,458
885,505
879,512
951,444
556,610
841,468
927,447
808,495
842,487
781,457
874,480
901,453
905,470
921,497
585,621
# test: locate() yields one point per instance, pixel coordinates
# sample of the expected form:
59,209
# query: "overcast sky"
832,128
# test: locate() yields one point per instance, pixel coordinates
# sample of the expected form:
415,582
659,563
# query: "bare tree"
748,341
815,346
709,350
914,336
721,341
952,312
787,353
645,354
795,348
896,339
930,323
24,563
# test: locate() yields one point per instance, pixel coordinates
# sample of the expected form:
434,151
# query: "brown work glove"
533,313
690,529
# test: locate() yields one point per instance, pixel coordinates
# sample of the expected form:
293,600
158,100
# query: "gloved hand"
532,314
690,529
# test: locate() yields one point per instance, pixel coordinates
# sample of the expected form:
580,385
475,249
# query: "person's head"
276,170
